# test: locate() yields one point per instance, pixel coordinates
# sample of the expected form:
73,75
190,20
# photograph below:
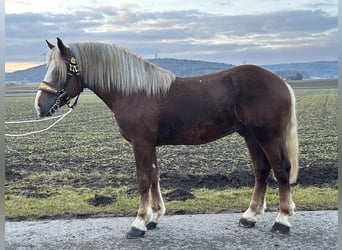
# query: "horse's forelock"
59,68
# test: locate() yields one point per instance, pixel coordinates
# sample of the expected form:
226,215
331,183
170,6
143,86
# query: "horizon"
301,62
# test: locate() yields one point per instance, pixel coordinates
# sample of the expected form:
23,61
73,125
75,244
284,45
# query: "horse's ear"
50,45
63,49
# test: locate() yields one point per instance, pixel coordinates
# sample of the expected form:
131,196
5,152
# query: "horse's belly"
193,133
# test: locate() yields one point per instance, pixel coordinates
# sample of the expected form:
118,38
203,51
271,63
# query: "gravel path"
311,230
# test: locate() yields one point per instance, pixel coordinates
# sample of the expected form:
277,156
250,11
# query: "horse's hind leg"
278,159
261,169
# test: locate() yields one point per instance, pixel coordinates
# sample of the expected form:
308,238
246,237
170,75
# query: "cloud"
182,34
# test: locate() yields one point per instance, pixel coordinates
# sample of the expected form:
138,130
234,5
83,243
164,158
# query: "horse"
153,107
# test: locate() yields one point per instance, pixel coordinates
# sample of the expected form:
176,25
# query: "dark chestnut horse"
153,107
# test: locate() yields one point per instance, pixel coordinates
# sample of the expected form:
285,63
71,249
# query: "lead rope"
59,117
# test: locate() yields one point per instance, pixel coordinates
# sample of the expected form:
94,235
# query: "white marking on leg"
153,166
283,218
158,214
292,208
141,222
251,215
263,208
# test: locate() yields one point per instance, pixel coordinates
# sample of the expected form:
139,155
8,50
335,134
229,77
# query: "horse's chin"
41,114
47,114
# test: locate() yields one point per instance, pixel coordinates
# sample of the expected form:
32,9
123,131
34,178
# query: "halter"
61,94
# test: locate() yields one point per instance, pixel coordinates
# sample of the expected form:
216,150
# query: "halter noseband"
61,94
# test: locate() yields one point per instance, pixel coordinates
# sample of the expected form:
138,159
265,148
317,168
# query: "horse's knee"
144,184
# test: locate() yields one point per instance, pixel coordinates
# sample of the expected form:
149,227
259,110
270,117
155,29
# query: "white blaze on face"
48,78
36,106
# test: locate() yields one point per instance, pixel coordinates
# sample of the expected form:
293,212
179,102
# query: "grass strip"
71,202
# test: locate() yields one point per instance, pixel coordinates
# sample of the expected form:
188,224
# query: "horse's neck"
108,97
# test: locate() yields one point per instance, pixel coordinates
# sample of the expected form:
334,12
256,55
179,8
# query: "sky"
235,32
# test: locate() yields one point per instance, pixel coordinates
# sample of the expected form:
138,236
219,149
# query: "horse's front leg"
144,154
157,203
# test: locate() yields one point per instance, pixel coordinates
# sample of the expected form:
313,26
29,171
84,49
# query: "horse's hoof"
152,225
246,223
280,228
135,233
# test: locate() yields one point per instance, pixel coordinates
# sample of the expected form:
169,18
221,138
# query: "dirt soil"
219,177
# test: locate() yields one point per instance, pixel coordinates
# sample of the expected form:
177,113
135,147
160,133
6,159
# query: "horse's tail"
292,138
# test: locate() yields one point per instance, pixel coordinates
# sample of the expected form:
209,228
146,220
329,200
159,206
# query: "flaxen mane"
107,66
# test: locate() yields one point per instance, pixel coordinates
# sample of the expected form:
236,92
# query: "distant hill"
27,76
189,67
312,70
